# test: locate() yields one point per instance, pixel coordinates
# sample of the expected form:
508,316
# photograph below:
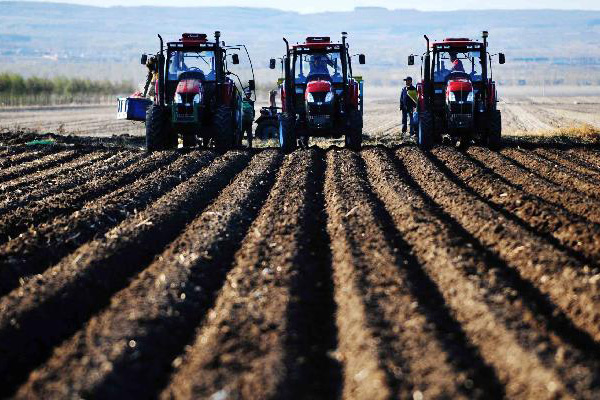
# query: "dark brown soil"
389,273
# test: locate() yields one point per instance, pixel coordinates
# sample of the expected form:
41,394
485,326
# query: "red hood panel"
318,86
460,85
188,86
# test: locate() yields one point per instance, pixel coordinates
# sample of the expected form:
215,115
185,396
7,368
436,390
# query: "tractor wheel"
268,129
494,137
425,134
287,134
189,140
225,132
158,133
354,134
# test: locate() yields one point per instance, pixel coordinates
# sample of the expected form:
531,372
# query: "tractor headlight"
470,97
329,97
178,99
196,99
451,97
310,98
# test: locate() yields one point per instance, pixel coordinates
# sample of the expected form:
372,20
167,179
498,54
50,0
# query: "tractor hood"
318,87
459,85
189,86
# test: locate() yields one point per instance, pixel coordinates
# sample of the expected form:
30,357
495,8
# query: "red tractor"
320,97
457,94
195,96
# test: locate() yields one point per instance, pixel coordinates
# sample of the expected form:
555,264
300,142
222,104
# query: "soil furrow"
522,178
500,313
18,155
160,309
554,172
48,177
570,161
78,178
580,157
48,309
589,156
573,287
92,183
562,163
34,166
246,348
418,342
37,249
571,233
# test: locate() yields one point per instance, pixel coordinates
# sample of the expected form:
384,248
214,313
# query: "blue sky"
309,6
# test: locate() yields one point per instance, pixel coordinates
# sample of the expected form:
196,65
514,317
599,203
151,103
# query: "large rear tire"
425,133
354,133
224,129
287,134
494,137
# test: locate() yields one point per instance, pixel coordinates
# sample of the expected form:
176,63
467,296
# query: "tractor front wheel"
494,137
354,134
287,134
224,129
159,136
425,134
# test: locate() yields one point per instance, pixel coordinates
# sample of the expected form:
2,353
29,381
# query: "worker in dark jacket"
408,103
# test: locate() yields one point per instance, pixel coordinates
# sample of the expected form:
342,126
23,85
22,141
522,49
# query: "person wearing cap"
247,115
408,103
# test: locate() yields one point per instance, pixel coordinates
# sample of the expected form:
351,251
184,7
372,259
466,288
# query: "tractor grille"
457,108
186,108
461,96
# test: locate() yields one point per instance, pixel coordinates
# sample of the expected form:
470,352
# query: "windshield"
192,61
314,66
446,62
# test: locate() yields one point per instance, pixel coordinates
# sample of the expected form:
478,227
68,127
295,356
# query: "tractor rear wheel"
494,137
159,136
354,134
224,129
287,134
425,134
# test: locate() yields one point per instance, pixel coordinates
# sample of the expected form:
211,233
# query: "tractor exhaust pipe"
161,75
485,37
289,88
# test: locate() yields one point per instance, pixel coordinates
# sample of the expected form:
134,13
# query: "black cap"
408,78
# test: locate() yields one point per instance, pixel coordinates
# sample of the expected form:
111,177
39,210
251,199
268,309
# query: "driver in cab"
318,66
457,65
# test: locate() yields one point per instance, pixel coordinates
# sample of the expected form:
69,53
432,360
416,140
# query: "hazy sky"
320,5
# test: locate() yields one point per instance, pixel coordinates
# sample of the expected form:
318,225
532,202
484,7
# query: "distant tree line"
17,85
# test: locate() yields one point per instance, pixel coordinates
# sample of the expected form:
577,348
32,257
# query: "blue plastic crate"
132,108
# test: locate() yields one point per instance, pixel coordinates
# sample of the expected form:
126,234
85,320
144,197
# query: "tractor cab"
457,91
319,92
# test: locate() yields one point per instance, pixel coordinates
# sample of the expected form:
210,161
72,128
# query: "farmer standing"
408,103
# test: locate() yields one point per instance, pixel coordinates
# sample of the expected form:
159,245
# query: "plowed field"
387,273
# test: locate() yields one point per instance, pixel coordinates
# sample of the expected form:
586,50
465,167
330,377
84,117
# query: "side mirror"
361,59
272,63
501,58
144,59
235,59
411,60
251,85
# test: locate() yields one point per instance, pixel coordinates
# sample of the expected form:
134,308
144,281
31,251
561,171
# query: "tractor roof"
455,42
191,40
315,42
